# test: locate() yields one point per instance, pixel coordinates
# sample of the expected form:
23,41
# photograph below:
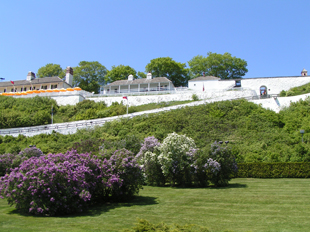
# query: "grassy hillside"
24,112
254,133
303,89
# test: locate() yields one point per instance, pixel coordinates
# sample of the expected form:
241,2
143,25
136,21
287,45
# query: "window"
238,83
25,89
4,91
53,86
21,89
44,87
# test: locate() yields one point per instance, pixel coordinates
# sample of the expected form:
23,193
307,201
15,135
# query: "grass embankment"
303,89
245,205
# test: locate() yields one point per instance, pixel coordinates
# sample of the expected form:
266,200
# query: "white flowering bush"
177,161
176,156
148,159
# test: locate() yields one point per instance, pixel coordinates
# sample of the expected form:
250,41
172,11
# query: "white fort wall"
179,96
274,85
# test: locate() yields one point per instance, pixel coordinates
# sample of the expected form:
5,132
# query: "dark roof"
205,78
140,81
34,81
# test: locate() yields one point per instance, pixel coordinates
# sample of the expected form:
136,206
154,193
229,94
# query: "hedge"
273,170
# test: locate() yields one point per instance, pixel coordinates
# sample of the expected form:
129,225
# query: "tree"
167,67
89,75
223,66
51,70
120,72
141,75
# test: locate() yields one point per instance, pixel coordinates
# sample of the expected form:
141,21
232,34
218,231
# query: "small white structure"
139,85
263,86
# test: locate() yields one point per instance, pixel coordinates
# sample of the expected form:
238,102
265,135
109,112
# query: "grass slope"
245,205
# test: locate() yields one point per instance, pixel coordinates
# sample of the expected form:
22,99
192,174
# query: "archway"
263,91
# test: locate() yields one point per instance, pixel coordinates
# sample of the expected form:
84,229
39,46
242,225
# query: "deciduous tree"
120,72
51,70
223,66
89,75
167,67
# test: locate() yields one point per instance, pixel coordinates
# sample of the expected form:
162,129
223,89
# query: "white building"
138,85
264,86
33,83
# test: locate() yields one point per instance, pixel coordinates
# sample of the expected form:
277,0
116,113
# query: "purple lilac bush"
124,165
63,183
223,155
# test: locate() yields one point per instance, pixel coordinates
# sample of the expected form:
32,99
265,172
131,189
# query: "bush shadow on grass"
99,209
229,186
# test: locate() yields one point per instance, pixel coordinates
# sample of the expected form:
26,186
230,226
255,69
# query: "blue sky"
271,35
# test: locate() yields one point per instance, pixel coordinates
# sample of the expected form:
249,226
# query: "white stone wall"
275,84
179,96
208,85
68,100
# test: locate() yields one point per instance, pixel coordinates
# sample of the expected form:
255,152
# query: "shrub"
176,156
290,93
148,158
130,142
146,226
31,152
6,161
66,183
228,165
123,164
88,145
195,97
283,93
204,169
273,170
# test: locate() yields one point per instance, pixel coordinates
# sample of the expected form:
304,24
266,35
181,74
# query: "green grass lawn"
246,205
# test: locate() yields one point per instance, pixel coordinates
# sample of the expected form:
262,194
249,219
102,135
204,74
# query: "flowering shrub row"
66,183
178,161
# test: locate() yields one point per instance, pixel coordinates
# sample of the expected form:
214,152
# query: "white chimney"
69,75
31,76
130,77
304,72
149,76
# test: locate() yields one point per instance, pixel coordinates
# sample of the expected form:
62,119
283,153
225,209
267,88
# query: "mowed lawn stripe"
245,205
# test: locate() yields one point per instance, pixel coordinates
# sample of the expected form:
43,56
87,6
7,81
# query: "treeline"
254,133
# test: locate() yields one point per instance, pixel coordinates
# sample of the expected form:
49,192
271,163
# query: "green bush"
195,97
146,226
283,93
290,93
273,170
